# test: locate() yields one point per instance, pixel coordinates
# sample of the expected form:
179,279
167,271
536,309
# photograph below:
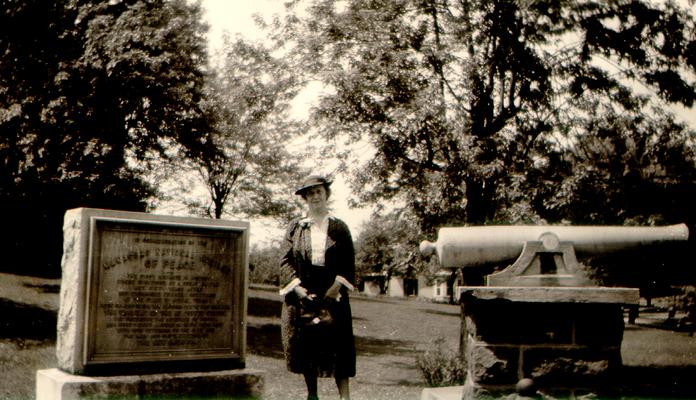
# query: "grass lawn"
390,333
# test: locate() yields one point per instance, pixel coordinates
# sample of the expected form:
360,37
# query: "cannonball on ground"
526,387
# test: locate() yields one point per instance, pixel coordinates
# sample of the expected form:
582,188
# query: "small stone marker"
147,294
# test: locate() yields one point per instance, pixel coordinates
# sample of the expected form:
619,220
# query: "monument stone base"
54,384
566,339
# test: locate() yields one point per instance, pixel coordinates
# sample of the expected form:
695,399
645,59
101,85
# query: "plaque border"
165,360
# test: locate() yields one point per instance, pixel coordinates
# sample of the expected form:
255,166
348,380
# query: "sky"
235,16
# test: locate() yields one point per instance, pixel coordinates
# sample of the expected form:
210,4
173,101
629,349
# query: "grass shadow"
265,340
260,307
374,347
664,382
44,288
406,383
671,325
444,313
26,321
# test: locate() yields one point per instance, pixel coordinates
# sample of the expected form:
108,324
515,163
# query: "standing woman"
316,272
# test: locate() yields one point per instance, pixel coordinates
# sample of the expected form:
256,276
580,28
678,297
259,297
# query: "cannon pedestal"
566,339
541,323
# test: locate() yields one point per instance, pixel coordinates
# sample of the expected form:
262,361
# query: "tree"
464,100
263,265
388,244
247,165
92,91
626,167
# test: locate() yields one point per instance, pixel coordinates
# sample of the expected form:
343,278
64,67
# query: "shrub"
442,366
263,265
687,303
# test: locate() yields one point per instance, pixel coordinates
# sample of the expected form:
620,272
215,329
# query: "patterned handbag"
315,314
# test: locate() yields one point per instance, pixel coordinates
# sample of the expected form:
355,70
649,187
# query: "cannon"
541,316
542,255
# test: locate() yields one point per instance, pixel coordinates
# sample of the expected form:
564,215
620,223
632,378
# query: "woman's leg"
311,381
343,388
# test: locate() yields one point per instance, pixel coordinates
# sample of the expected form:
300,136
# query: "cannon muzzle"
458,247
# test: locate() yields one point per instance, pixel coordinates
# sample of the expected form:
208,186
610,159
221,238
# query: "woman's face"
316,198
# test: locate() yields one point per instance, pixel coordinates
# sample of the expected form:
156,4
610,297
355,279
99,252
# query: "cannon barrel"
484,245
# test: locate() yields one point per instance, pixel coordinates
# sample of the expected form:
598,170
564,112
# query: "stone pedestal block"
560,337
54,384
144,293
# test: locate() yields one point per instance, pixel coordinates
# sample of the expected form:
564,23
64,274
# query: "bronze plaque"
164,292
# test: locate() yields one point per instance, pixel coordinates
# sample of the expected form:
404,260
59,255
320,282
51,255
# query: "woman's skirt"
320,348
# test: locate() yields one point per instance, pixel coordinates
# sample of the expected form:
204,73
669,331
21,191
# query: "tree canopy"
500,111
389,244
248,164
91,90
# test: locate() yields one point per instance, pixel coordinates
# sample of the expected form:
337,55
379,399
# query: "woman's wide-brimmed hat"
311,181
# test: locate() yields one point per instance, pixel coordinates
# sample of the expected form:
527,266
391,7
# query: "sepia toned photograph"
348,199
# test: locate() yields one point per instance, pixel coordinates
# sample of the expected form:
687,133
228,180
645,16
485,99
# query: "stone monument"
151,305
540,322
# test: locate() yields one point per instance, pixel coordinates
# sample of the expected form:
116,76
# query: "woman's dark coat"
325,353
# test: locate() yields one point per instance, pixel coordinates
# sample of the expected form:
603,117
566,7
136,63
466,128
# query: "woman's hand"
334,291
306,299
301,292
